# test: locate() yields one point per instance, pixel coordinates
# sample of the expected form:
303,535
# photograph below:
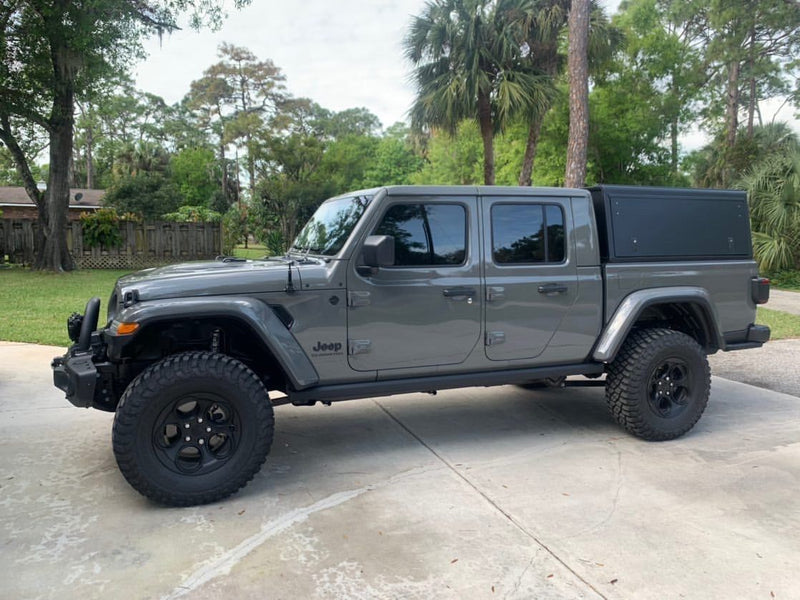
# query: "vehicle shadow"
416,430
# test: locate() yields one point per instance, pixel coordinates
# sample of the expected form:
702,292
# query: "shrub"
101,228
193,214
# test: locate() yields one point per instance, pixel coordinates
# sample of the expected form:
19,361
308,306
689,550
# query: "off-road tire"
192,428
658,386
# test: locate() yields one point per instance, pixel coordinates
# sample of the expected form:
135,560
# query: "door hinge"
495,293
358,347
493,338
358,299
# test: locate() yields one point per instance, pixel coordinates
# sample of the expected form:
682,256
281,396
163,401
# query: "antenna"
290,289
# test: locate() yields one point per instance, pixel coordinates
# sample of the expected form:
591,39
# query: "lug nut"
200,419
200,441
188,439
208,429
186,426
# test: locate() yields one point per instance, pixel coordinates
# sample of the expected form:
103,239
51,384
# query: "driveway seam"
510,518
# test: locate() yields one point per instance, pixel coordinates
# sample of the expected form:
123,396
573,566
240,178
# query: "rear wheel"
658,386
192,428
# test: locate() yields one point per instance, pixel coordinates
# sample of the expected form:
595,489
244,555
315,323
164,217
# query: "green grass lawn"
783,325
252,251
34,306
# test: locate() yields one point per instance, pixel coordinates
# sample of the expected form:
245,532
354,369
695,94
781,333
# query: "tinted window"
527,233
426,234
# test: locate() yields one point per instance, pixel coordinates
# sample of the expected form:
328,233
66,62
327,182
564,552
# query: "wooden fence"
143,244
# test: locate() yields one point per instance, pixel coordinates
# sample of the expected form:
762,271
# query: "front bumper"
76,375
84,373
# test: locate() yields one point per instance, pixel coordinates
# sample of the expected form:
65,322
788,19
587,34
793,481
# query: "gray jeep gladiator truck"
417,289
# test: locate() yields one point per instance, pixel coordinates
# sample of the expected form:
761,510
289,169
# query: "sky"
341,54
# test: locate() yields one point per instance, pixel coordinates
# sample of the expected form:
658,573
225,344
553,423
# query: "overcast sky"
341,54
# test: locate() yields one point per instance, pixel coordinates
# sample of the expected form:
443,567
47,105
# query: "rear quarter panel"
727,283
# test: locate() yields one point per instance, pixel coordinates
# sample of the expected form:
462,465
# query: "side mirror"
378,251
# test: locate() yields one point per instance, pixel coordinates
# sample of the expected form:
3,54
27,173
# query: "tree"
206,101
194,172
148,195
753,48
544,28
543,33
54,52
394,160
578,68
773,188
248,92
715,164
467,57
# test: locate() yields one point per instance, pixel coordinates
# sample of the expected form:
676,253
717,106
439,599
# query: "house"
15,203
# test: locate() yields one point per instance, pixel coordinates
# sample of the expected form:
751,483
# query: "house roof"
78,197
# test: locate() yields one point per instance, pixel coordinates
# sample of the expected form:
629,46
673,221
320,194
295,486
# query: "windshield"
328,230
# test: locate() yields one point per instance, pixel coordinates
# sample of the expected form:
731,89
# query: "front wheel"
658,386
192,428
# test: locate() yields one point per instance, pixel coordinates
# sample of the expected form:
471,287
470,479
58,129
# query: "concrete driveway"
478,493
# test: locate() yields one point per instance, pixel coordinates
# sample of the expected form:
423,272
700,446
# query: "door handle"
552,288
459,292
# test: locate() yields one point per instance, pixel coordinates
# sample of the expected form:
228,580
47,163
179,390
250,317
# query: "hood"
209,278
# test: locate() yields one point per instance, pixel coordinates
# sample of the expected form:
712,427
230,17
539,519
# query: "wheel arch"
259,333
686,309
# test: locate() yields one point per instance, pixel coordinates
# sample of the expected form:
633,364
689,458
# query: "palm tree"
773,187
468,59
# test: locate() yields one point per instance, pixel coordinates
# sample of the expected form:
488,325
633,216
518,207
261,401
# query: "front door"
425,310
531,277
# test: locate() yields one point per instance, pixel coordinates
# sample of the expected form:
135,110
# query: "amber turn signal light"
127,328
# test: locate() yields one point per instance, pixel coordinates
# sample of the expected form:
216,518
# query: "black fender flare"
252,312
629,310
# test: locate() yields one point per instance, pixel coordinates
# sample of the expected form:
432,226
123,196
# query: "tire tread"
147,386
627,378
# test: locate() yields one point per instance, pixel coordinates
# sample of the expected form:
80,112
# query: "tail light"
759,289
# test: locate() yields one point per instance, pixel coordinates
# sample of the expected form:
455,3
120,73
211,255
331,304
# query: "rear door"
425,310
531,277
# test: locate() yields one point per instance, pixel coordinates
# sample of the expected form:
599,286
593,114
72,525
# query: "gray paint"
726,282
406,316
528,318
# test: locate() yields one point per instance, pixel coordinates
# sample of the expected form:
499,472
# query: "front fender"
253,313
632,306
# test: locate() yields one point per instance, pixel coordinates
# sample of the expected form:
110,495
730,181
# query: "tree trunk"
251,166
752,103
673,150
20,162
732,108
89,158
224,168
578,68
53,254
535,130
487,133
